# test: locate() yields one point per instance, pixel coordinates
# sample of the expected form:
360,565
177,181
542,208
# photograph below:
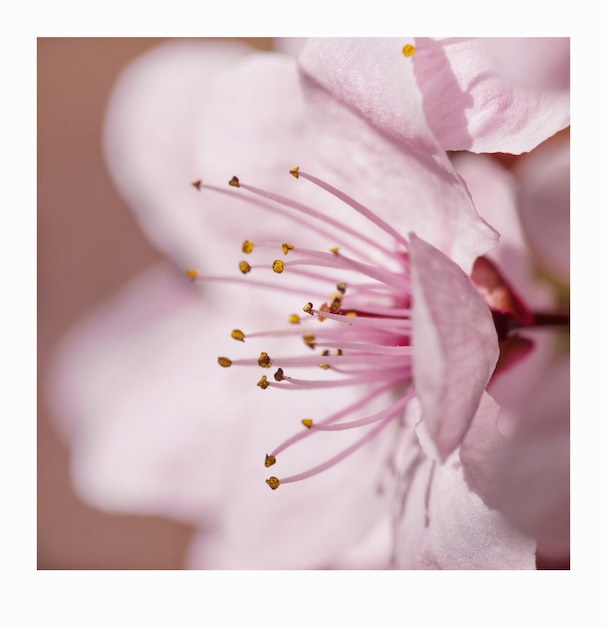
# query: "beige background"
88,245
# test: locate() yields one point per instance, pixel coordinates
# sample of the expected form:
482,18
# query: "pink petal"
472,103
444,525
409,182
455,344
524,473
544,200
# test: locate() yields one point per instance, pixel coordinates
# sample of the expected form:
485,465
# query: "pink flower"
154,431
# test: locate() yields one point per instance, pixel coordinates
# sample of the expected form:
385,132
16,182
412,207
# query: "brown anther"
294,318
197,184
273,482
307,422
325,309
264,360
270,460
408,50
339,352
278,266
341,287
192,274
237,334
286,247
310,340
247,247
307,308
244,267
224,361
234,182
263,382
279,374
336,302
295,172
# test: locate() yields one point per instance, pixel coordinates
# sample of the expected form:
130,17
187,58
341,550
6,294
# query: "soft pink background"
88,245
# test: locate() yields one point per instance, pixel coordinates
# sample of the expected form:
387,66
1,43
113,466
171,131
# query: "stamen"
244,267
247,247
224,361
278,266
238,335
270,460
264,360
286,247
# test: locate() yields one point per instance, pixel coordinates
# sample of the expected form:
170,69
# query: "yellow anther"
286,247
263,382
244,267
341,287
278,266
273,482
279,374
336,302
264,360
192,274
408,50
234,182
295,171
307,422
294,318
247,247
307,308
310,340
335,250
197,184
224,361
324,366
237,334
351,314
270,460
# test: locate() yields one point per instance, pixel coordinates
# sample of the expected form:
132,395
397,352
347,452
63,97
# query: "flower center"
359,334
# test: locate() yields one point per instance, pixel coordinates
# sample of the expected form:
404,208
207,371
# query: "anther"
270,460
234,182
294,318
263,382
286,247
237,334
247,247
244,267
307,308
264,360
335,250
278,266
310,340
192,274
279,374
307,422
273,482
341,287
408,50
295,172
224,361
197,184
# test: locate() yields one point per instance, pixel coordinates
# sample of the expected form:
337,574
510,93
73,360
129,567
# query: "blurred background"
88,246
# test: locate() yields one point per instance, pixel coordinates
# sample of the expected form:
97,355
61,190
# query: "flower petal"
455,344
444,525
472,103
392,165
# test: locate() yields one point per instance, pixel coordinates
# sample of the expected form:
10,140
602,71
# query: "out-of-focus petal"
518,461
472,103
544,178
444,525
393,164
494,190
139,395
455,344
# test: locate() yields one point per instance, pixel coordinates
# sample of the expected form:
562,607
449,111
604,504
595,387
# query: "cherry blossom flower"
372,239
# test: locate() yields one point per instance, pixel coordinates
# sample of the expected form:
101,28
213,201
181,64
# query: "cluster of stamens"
360,333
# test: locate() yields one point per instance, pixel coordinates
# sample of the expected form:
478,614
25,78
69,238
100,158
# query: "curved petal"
444,525
455,344
393,165
472,103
